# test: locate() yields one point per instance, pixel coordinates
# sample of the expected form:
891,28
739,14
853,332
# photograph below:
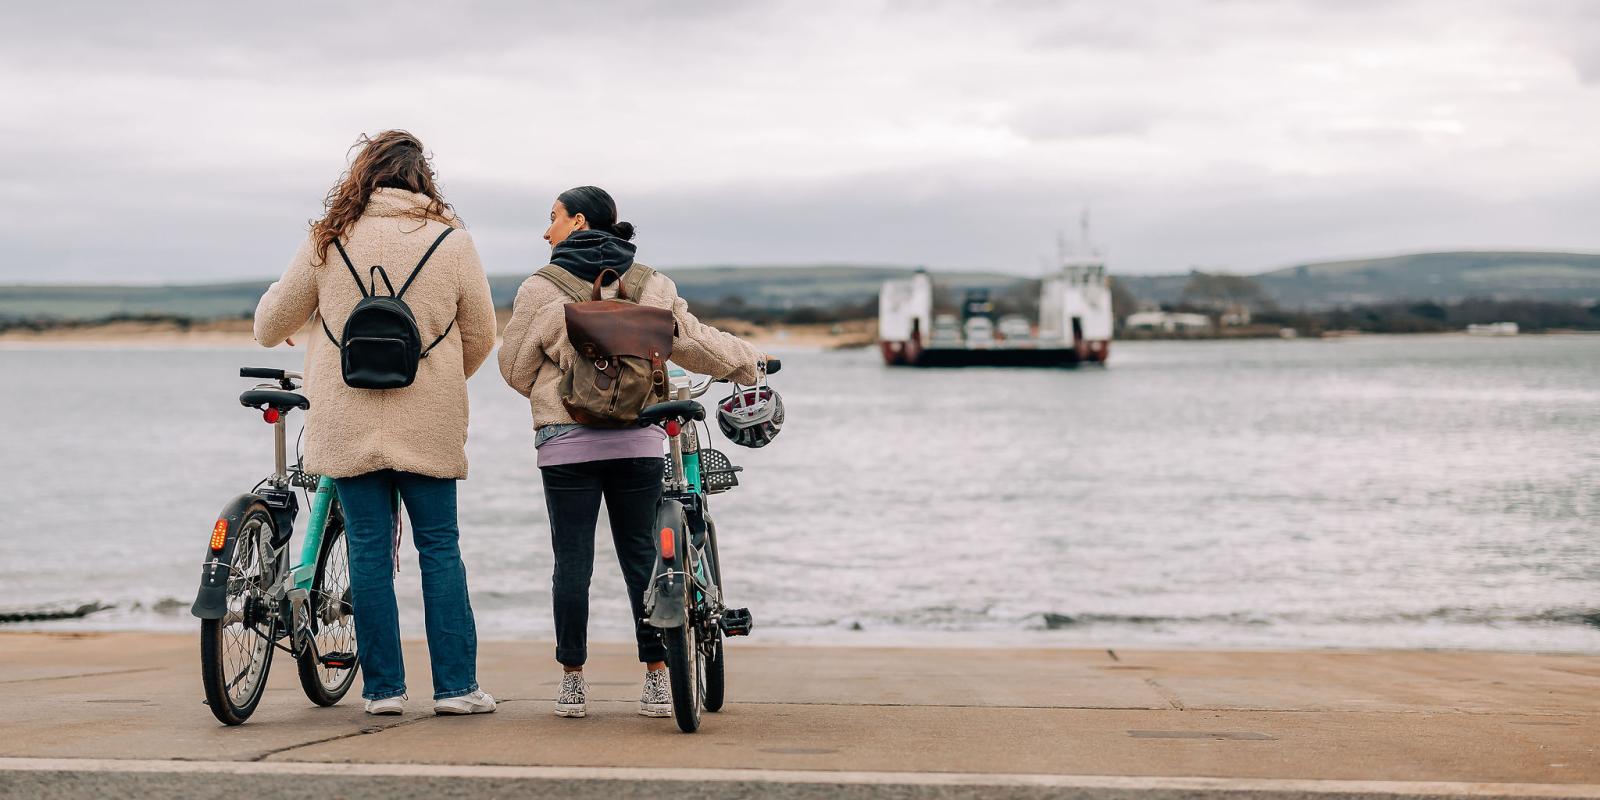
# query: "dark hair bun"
623,230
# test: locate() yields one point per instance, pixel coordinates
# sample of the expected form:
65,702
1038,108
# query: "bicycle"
251,601
684,599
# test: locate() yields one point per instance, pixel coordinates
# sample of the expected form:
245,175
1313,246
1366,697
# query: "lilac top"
578,444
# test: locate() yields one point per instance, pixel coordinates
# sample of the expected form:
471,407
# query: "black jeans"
572,492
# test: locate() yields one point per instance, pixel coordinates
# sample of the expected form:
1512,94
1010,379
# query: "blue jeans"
367,501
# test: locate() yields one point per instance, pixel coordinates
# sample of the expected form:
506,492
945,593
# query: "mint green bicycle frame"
321,501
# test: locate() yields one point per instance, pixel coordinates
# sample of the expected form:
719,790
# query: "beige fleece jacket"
423,427
535,350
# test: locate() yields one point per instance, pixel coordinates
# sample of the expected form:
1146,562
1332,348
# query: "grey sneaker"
387,707
477,702
656,699
574,695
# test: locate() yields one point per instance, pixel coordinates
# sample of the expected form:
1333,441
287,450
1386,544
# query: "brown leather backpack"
622,348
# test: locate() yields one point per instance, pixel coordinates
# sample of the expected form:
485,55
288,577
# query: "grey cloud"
965,217
1058,121
998,143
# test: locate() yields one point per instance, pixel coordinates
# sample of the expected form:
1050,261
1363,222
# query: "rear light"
271,416
669,550
219,534
673,427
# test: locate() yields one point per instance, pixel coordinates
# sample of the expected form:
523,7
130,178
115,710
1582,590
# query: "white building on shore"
1168,322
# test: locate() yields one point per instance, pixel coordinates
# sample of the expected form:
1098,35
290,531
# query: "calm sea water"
1383,492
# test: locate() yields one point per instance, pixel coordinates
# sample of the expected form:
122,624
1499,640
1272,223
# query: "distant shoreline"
237,332
850,334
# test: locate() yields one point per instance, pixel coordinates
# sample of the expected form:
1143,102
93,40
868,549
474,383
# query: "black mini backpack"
382,344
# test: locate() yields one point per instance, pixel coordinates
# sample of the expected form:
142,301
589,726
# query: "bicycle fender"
211,601
669,610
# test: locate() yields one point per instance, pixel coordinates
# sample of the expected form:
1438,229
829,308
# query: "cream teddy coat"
423,427
535,350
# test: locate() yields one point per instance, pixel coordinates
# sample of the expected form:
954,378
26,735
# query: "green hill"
764,287
1439,277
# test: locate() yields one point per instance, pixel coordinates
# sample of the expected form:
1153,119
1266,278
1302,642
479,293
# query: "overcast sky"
157,141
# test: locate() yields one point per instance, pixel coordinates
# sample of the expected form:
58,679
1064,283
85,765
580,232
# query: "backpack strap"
355,276
633,281
630,286
324,321
438,340
600,280
418,268
377,270
566,281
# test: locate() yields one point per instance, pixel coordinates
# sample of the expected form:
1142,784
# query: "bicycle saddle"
672,409
274,398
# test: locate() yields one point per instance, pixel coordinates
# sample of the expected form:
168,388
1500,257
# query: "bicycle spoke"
335,631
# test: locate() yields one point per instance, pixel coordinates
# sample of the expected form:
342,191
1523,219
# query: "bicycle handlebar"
270,374
698,389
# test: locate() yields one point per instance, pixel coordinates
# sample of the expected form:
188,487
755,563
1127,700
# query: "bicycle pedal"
337,660
737,622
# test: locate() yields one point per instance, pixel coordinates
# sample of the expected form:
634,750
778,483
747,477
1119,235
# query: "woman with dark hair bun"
590,207
580,465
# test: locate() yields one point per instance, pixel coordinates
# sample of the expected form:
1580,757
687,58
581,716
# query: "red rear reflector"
673,427
669,550
270,415
219,534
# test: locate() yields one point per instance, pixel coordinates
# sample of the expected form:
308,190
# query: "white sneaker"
387,707
572,700
478,702
656,699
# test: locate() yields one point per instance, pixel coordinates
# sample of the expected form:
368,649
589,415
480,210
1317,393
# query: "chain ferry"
1071,324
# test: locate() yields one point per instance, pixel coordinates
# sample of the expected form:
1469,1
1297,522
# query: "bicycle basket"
716,471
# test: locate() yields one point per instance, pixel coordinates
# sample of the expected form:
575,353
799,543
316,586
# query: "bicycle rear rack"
716,471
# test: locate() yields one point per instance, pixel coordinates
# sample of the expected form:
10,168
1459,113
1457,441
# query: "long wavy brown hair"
392,159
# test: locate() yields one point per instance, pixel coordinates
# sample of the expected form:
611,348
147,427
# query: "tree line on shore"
1205,293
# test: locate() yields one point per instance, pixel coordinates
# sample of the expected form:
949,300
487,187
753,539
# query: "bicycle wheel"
716,680
235,654
684,662
715,674
333,627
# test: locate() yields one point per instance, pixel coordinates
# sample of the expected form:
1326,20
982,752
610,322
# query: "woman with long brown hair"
387,210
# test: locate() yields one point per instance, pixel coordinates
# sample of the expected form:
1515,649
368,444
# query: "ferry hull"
909,355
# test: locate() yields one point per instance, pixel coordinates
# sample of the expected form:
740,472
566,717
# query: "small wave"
47,614
1455,615
1055,621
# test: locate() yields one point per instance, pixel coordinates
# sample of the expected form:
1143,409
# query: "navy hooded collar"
586,254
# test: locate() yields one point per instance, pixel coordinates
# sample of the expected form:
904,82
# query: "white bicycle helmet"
752,415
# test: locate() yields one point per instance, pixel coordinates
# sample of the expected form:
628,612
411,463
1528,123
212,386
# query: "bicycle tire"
683,657
716,679
216,641
318,690
714,667
682,668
